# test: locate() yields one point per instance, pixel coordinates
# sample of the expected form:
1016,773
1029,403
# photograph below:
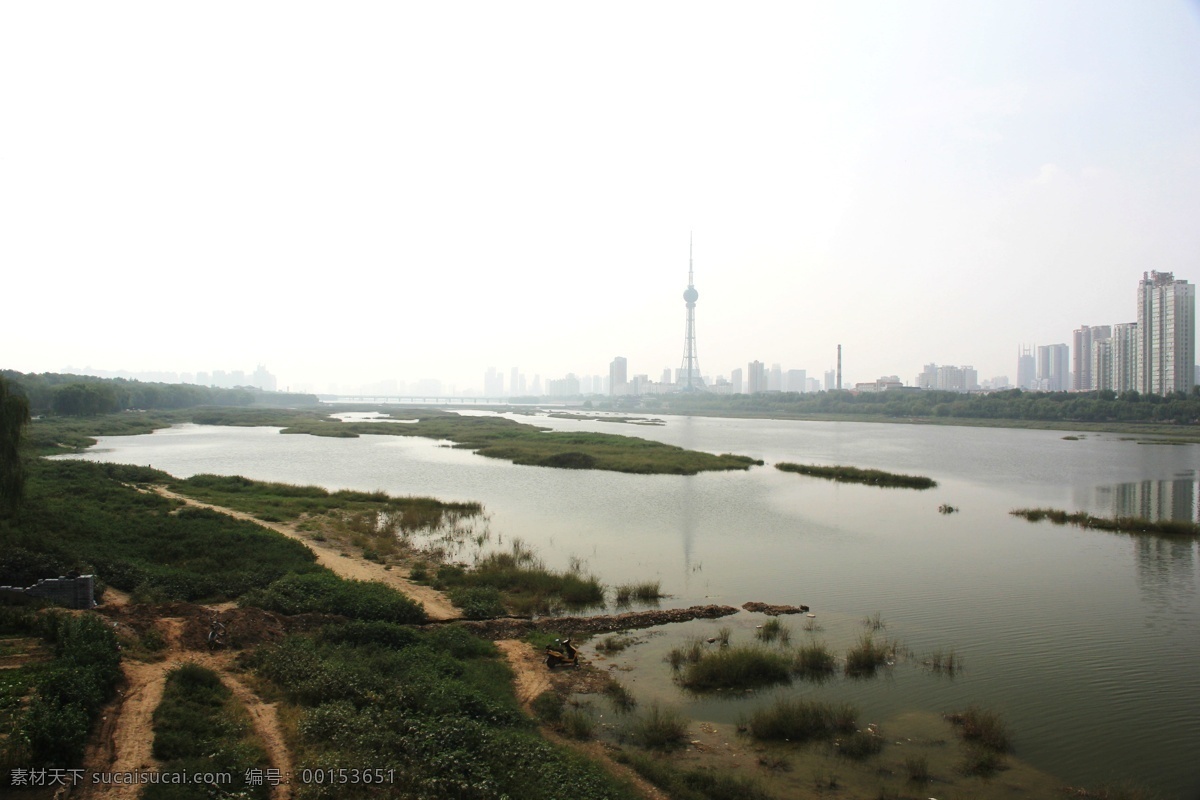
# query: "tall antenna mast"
689,377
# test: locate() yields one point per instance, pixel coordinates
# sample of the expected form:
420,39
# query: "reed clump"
774,630
870,477
736,668
644,592
524,582
799,720
868,655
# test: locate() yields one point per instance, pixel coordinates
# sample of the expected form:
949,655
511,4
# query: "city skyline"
417,194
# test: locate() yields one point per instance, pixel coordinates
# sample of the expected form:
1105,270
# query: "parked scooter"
561,654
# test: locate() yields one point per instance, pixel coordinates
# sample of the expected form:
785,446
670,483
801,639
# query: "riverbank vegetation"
49,706
87,395
1165,527
791,719
517,582
870,477
433,712
1061,408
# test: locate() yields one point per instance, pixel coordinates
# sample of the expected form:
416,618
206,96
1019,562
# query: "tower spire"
689,377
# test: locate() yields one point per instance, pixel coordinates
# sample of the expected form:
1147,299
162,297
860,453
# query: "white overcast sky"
355,192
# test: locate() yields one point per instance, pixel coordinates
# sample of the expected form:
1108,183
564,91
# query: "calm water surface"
1088,643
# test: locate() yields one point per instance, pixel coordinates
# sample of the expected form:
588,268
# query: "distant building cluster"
1154,355
948,378
219,379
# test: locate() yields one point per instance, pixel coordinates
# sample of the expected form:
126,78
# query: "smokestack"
839,374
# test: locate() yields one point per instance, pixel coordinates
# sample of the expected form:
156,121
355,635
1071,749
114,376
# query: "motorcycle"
561,654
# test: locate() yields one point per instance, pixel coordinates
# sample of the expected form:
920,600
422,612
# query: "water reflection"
1177,499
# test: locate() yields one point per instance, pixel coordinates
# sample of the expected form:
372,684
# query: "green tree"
14,413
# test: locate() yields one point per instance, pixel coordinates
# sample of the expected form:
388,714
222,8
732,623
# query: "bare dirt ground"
437,607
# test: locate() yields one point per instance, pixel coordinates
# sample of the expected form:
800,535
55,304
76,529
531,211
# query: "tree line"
1013,404
85,395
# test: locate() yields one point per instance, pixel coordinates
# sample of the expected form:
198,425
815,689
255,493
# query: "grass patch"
689,652
736,668
615,643
870,477
944,662
799,720
578,724
916,768
659,728
698,784
1165,527
859,745
621,699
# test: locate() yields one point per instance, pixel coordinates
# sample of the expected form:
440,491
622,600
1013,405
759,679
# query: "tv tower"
689,370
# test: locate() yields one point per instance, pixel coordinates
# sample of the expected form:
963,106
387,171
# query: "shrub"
548,707
984,728
860,744
482,602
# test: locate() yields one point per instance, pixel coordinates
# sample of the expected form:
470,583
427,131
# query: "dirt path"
125,740
531,677
437,606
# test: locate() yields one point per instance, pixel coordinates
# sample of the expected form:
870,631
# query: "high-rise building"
617,381
1123,353
829,377
1166,330
796,381
1053,367
493,382
1025,368
690,380
735,380
756,378
1084,337
775,378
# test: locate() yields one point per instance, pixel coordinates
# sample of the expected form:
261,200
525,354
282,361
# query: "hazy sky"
353,192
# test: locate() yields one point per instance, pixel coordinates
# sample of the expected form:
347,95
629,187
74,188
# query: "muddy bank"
511,628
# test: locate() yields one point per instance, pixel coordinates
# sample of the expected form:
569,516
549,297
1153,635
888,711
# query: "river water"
1088,643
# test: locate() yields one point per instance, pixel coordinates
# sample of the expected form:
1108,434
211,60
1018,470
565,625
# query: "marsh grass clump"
772,630
874,623
800,720
814,660
723,634
944,662
981,761
644,592
1163,527
659,728
871,477
736,668
688,653
983,728
946,508
868,655
548,707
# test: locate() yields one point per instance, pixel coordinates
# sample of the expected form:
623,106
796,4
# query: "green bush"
659,728
798,720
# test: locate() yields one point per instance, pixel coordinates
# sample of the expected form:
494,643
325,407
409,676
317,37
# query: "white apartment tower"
1166,334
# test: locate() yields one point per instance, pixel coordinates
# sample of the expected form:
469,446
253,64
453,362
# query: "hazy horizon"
382,191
